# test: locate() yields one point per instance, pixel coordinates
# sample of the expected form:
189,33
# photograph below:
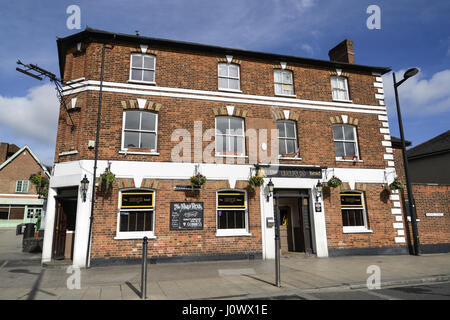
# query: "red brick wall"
168,242
379,218
19,169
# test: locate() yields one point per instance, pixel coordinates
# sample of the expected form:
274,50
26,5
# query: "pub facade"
200,148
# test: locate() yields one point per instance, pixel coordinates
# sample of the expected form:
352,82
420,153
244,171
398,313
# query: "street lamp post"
412,207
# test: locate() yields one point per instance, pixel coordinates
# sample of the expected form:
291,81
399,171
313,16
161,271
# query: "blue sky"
412,34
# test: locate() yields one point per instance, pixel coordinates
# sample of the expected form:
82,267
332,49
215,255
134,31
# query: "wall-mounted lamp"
84,187
270,186
319,188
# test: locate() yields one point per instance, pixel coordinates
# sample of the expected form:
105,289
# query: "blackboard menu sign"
137,200
230,200
186,215
351,200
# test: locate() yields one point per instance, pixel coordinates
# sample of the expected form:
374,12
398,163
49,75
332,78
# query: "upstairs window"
22,186
229,76
230,136
139,130
142,67
284,83
339,88
287,137
345,142
354,217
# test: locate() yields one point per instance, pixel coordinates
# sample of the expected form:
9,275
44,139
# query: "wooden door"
306,223
59,236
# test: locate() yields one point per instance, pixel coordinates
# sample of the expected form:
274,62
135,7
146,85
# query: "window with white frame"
232,211
284,83
230,136
229,76
339,88
287,137
139,129
142,67
354,216
22,186
136,213
345,141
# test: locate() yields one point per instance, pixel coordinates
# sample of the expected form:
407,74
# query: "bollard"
144,269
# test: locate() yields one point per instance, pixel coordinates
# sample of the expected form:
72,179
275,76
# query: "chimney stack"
343,52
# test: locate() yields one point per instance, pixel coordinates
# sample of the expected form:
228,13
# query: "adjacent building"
429,174
19,201
171,110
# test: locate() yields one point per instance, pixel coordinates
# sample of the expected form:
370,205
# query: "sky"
411,34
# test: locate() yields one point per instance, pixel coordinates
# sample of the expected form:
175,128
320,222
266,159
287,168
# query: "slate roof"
436,145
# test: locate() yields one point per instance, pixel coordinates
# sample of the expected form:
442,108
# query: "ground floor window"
136,213
354,217
12,212
231,212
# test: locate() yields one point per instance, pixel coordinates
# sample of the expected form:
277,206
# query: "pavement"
306,277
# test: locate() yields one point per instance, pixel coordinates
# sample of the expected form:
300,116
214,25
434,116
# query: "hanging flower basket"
41,182
396,185
106,180
198,180
256,181
334,182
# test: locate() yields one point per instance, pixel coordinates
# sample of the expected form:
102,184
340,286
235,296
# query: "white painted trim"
342,100
383,118
386,143
134,235
394,197
75,80
232,233
400,232
389,150
399,239
384,130
286,95
380,91
15,155
385,124
381,102
397,225
399,218
388,157
125,152
92,85
142,82
378,85
67,153
387,137
356,230
344,160
288,158
396,211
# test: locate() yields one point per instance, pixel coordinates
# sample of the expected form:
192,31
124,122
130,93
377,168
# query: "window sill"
152,83
233,233
356,230
125,152
67,153
285,95
345,160
134,236
230,90
289,158
342,100
228,156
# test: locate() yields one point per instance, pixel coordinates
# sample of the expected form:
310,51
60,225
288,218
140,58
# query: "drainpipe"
99,112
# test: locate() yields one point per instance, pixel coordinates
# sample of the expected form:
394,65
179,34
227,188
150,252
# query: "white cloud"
308,49
31,119
419,95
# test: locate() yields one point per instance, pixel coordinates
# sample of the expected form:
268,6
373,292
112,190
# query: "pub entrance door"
295,221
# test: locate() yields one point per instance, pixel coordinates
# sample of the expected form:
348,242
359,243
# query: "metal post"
277,243
144,268
412,206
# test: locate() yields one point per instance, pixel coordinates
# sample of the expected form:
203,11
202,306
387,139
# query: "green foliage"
198,180
334,182
106,180
256,181
41,183
396,185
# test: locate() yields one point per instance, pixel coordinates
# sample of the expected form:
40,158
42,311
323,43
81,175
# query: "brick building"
19,201
173,109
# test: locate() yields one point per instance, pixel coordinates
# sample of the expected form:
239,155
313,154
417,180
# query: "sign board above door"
292,172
